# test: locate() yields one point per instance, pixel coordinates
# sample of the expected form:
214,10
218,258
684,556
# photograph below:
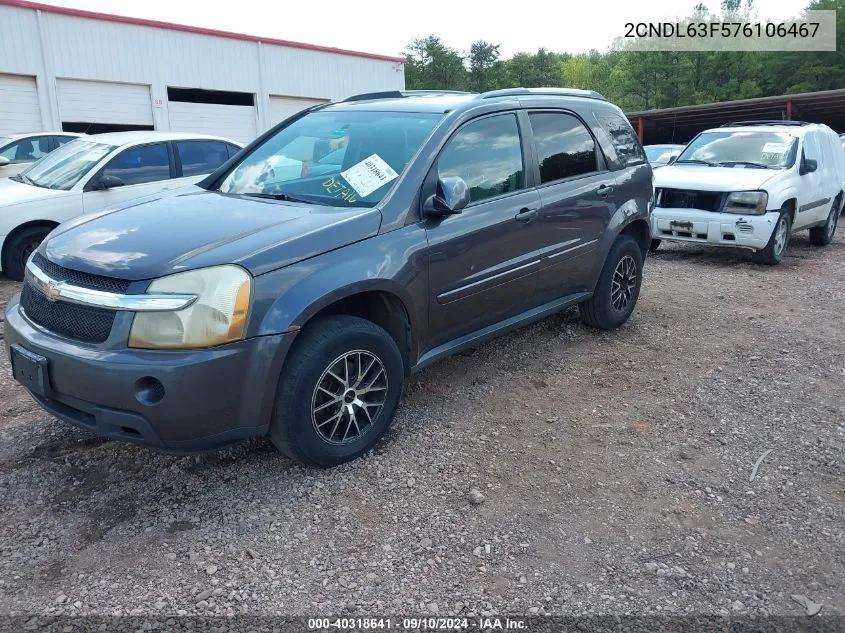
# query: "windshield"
774,150
661,154
333,158
63,168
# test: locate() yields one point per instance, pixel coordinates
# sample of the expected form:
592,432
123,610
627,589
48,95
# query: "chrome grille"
81,323
77,278
86,324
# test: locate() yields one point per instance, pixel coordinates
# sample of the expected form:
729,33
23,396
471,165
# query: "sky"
387,26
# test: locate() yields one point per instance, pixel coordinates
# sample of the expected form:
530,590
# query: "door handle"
525,214
604,191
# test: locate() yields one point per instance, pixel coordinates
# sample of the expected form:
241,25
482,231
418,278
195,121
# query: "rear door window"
565,148
147,163
27,150
487,154
201,157
61,140
232,149
622,140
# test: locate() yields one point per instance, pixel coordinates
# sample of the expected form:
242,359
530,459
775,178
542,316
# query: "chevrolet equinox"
291,292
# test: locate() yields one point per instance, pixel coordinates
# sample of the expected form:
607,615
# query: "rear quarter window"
618,139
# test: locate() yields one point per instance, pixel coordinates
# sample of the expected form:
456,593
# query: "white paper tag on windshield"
368,175
775,148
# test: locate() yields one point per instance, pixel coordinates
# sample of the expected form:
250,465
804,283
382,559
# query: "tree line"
636,80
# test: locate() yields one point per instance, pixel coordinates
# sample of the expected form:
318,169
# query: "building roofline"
725,105
108,17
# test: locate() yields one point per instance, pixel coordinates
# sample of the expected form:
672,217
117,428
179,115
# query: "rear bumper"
211,397
716,229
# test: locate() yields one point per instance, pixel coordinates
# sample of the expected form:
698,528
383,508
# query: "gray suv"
270,300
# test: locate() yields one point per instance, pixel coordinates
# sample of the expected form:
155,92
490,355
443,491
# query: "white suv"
752,185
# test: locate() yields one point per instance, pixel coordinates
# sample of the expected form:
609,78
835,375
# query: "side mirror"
452,197
673,158
4,161
107,182
808,166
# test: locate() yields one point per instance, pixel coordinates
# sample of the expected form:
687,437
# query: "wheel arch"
791,205
376,304
381,301
640,230
48,224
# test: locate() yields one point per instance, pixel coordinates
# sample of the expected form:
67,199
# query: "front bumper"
211,397
717,229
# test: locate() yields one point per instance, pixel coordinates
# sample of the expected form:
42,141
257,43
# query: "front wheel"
19,248
338,391
823,235
655,244
778,242
618,288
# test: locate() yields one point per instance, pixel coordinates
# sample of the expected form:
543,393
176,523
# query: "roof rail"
764,122
399,94
556,92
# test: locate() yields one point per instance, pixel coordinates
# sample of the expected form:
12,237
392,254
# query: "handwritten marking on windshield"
339,190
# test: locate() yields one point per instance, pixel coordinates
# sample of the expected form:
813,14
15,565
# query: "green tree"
432,64
484,65
639,80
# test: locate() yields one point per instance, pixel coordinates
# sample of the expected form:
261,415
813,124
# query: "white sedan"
19,151
93,172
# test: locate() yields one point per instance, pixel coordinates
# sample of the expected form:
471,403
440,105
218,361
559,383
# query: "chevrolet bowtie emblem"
52,291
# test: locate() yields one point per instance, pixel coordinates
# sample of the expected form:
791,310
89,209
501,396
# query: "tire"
823,235
624,265
20,247
776,248
311,422
655,244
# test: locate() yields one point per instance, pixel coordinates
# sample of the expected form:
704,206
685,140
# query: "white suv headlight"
748,202
218,315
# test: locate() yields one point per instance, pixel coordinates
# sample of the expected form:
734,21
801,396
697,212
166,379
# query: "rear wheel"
618,288
19,248
823,235
778,242
338,391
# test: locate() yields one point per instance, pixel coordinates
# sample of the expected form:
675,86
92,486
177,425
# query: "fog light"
149,390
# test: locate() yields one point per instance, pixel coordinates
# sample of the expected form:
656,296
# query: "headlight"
217,316
750,202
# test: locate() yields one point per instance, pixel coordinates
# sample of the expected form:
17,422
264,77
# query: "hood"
704,178
158,236
14,192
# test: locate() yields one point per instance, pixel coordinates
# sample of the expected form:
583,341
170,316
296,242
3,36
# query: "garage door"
19,111
230,121
104,102
283,107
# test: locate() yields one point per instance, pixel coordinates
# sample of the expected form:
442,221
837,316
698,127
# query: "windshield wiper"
744,162
696,161
286,197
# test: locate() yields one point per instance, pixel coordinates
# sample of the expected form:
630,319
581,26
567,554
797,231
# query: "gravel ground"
555,470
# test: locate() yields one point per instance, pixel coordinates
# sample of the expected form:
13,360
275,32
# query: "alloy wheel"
349,397
624,283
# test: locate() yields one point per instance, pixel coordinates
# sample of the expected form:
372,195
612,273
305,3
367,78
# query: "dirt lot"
614,466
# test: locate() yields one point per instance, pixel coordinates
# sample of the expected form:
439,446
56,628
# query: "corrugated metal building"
89,72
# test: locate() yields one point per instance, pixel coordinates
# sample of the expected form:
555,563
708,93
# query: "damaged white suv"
752,185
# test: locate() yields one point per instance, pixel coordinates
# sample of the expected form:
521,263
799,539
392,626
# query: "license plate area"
677,225
30,369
